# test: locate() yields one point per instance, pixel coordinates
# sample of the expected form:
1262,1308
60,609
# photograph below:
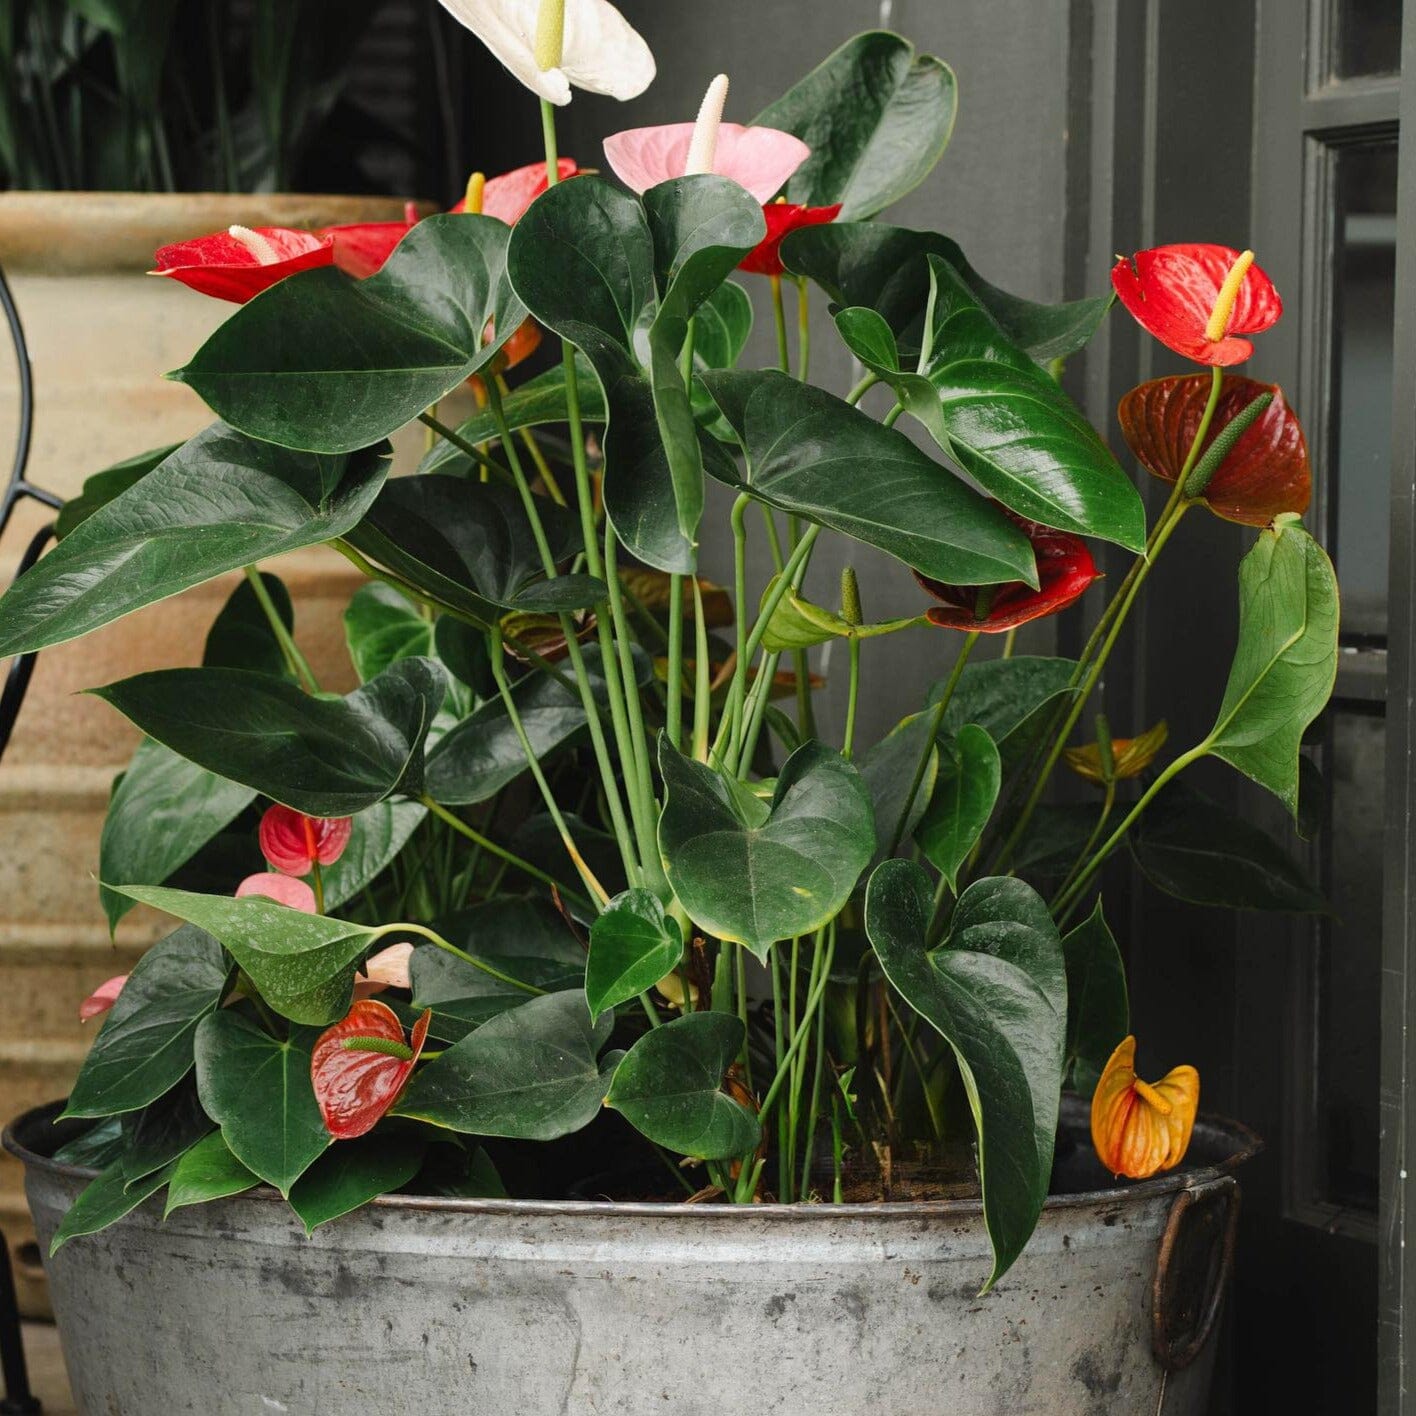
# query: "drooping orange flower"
1129,756
1139,1128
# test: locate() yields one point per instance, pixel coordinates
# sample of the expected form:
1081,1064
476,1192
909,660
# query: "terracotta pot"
101,333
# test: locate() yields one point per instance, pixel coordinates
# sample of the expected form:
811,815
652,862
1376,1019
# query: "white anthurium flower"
601,51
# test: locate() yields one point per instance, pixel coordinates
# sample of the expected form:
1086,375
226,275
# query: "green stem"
852,694
295,661
433,937
673,708
462,445
935,723
862,388
779,321
732,712
317,883
702,678
803,329
812,1002
1108,801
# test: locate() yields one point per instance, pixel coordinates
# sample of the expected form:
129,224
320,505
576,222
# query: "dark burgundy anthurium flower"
782,219
295,843
360,1065
240,262
1264,474
1197,299
1064,570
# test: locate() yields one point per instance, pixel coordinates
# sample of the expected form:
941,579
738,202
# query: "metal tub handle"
1192,1270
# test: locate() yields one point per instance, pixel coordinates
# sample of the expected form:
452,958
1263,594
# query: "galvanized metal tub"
417,1307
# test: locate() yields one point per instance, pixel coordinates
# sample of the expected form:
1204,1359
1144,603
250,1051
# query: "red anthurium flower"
362,247
240,262
1265,473
293,842
782,219
283,889
1064,569
1197,299
507,197
102,998
361,1064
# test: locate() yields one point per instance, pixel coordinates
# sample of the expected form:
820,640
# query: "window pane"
1364,300
1366,37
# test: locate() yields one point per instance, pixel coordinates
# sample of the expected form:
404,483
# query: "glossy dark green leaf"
325,362
379,833
162,812
537,840
1197,850
467,544
530,1074
721,327
876,116
302,963
208,1171
461,1172
105,1201
381,626
813,455
240,636
970,775
1054,838
352,1173
325,756
996,991
633,944
258,1089
220,502
753,871
886,269
102,487
163,1131
144,1047
1285,663
889,771
1098,1009
1009,698
669,1087
95,1148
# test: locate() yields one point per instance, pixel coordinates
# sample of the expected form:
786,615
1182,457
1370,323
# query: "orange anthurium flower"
294,843
360,1065
1139,1128
1129,756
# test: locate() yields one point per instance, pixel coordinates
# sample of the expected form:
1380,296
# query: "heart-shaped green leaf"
302,963
349,1175
813,455
103,1202
207,1172
258,1089
1285,663
145,1045
381,626
324,756
1010,699
379,833
220,502
996,991
889,772
970,775
240,636
529,1074
754,871
102,487
876,116
162,812
96,1148
633,944
669,1087
328,363
1098,1009
466,543
886,269
163,1131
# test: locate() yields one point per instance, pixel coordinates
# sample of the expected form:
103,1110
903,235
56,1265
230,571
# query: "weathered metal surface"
418,1306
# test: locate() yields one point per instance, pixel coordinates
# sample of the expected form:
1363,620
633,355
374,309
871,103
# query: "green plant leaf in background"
163,1131
325,756
530,1074
381,626
886,269
327,363
811,454
1098,1010
220,502
379,833
797,623
876,116
633,944
240,636
302,963
888,769
258,1089
351,1174
1285,663
970,776
754,871
996,991
101,488
208,1171
669,1087
1010,699
105,1201
144,1047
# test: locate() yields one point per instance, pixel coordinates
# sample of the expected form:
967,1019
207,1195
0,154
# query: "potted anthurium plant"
646,1047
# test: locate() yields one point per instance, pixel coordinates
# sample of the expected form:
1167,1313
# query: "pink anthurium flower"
295,843
507,197
587,44
361,1064
782,219
102,998
389,968
283,889
759,159
241,261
